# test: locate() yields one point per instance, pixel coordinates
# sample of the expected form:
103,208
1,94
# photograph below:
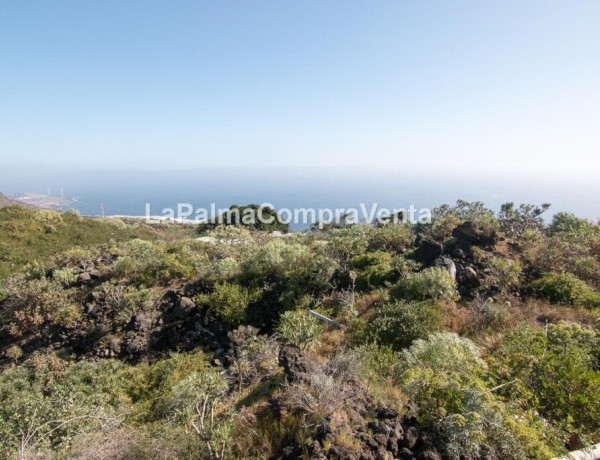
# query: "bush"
229,302
441,375
392,238
432,283
255,354
576,253
506,273
46,401
35,303
566,288
446,218
556,376
300,329
375,269
146,262
489,315
65,276
564,222
398,324
290,269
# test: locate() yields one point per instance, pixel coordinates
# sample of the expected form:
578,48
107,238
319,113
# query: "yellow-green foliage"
33,303
556,375
506,272
443,376
229,302
149,262
27,235
566,288
300,329
433,283
400,323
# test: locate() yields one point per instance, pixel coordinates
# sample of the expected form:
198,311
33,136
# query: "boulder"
114,345
342,453
446,263
468,234
467,278
386,413
184,308
427,251
84,278
141,322
297,366
94,274
410,438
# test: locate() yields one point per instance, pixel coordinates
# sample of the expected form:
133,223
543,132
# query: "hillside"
28,234
475,336
5,201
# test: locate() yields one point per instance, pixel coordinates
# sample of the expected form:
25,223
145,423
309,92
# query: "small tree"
516,221
15,352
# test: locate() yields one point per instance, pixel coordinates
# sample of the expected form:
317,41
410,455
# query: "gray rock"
386,413
184,308
410,438
132,348
84,278
94,274
427,251
448,264
114,345
141,322
297,367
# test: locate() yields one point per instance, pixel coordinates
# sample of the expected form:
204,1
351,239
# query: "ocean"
130,192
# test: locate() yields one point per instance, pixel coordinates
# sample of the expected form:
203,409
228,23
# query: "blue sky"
463,86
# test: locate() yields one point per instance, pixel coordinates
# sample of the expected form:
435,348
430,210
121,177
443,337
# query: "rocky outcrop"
457,257
377,439
298,367
468,234
427,250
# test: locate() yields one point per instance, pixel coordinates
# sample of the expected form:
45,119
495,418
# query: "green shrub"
516,221
564,222
556,376
432,283
229,302
506,273
152,262
400,323
300,329
15,352
34,303
379,362
290,269
65,276
442,375
375,269
391,238
489,315
46,402
446,218
566,288
125,301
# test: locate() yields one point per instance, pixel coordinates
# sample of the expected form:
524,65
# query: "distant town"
41,200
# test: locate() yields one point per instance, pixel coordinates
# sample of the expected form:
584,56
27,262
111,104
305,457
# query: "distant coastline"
40,200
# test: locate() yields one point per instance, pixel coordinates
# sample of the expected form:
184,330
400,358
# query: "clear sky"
479,86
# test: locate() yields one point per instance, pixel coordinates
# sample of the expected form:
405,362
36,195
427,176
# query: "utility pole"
102,209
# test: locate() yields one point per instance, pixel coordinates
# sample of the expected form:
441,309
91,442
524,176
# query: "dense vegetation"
475,336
